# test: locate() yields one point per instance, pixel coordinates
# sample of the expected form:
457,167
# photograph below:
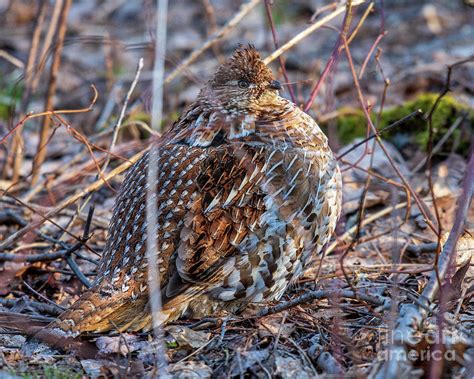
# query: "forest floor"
406,195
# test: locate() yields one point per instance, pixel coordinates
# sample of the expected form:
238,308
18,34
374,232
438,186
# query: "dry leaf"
185,336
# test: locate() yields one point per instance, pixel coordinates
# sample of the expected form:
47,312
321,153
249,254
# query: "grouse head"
243,84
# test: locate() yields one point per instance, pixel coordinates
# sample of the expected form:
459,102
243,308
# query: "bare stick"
371,50
320,294
12,59
42,257
70,260
366,221
41,307
83,169
53,25
32,56
212,27
411,316
115,131
60,307
41,151
154,289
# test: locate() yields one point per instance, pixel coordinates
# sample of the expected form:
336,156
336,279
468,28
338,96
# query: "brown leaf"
123,344
270,326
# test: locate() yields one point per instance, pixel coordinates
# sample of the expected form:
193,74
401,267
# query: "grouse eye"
243,84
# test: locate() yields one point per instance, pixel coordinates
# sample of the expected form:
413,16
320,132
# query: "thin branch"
32,115
48,39
231,24
32,55
336,52
61,308
371,50
397,123
346,23
69,258
299,37
423,208
268,10
45,217
443,140
211,27
17,150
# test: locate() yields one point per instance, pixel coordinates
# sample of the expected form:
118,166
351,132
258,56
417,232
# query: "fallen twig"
422,206
61,308
40,307
70,260
321,294
442,141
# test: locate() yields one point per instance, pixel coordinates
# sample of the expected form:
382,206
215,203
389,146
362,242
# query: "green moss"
285,11
139,116
47,372
10,96
172,344
53,372
352,123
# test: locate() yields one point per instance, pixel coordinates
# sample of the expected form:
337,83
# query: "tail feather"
96,313
117,311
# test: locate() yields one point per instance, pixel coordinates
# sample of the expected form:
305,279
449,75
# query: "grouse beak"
275,84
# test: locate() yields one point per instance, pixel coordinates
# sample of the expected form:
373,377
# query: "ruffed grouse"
248,192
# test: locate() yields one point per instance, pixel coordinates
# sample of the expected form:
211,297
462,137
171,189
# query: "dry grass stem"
152,251
45,127
310,29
